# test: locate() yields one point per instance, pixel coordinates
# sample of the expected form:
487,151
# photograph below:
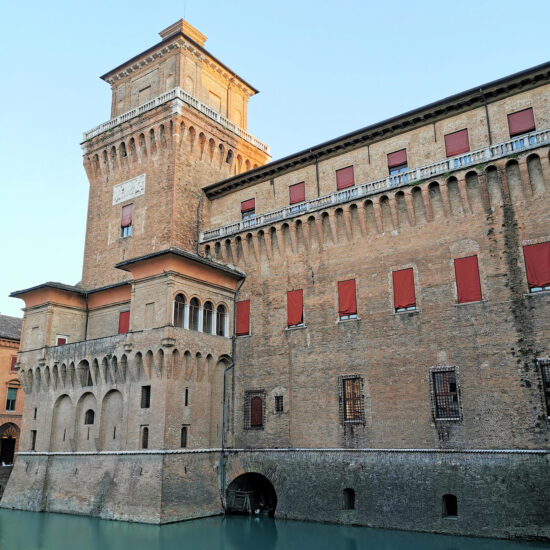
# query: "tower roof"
192,38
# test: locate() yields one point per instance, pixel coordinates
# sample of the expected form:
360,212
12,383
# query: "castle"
355,333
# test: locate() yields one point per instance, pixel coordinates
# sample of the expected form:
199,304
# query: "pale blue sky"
323,68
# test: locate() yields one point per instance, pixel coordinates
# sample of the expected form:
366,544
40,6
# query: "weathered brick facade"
452,391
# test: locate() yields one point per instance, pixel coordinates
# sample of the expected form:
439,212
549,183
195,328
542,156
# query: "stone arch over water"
251,493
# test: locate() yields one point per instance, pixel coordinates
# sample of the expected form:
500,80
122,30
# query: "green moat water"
34,531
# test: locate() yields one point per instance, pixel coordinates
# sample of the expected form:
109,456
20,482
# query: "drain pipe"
486,116
226,370
198,222
87,316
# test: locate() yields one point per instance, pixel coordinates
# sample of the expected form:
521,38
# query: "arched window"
207,315
450,506
89,417
194,306
220,321
179,310
145,437
183,437
256,412
349,499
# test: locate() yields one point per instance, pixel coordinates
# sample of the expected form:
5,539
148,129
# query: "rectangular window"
297,193
10,401
345,178
279,404
243,318
468,286
521,122
248,209
537,265
347,302
295,308
183,438
404,298
397,162
445,395
457,143
60,340
545,371
145,397
254,409
123,322
351,399
33,440
13,363
145,437
126,220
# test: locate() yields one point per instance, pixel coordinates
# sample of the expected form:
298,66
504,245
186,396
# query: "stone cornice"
165,47
433,112
9,343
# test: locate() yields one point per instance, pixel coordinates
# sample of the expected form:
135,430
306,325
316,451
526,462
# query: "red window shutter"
243,318
468,286
521,122
61,341
256,412
457,143
537,264
295,307
126,220
347,302
13,361
248,206
403,288
123,322
345,178
397,158
297,193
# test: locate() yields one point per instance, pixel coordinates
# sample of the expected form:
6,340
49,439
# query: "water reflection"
33,531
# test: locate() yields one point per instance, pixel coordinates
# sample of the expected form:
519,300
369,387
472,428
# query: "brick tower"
178,123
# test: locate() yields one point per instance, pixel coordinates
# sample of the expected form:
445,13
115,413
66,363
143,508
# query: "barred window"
279,407
254,401
351,399
545,371
445,394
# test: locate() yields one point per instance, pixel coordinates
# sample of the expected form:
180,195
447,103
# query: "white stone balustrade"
488,154
176,93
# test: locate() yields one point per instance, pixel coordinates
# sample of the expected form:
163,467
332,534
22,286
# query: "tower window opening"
89,417
194,306
183,442
221,319
179,310
144,437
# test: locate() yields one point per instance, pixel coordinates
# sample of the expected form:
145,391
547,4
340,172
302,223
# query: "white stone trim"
282,450
183,96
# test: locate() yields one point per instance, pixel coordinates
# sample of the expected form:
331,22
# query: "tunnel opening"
251,494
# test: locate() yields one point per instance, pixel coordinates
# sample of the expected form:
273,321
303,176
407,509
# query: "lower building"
11,397
356,333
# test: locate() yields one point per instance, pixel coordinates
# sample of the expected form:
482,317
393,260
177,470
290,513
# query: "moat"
33,531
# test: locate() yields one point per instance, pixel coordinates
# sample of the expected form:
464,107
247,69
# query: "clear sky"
323,68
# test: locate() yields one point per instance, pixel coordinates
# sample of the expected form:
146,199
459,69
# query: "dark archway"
8,437
252,494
